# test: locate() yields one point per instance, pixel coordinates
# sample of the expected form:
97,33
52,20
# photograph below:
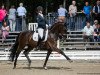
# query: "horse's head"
59,29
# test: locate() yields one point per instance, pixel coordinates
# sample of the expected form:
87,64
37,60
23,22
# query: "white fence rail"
41,55
32,26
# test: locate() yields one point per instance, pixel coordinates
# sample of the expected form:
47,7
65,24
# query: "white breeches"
40,31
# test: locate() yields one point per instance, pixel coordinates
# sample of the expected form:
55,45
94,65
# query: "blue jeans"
97,38
72,23
19,24
0,25
87,18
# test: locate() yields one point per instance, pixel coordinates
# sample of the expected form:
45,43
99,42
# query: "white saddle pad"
36,37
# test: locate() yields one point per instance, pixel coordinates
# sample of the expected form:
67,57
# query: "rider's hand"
47,26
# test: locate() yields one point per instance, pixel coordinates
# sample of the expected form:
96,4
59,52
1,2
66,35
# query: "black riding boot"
39,44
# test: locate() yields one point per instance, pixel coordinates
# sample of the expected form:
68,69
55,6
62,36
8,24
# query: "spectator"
95,24
88,33
3,14
72,13
97,33
5,31
96,11
12,18
21,17
61,14
87,12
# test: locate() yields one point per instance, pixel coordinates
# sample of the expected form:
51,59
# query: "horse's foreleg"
61,52
48,54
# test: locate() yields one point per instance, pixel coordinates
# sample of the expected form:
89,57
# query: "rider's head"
39,9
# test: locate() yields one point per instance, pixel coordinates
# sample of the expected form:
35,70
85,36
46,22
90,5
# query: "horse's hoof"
70,61
45,68
14,67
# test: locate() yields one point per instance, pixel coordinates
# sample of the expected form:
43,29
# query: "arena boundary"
41,55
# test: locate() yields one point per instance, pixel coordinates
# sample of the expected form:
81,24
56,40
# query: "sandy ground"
55,67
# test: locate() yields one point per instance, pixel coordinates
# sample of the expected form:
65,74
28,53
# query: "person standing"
3,15
87,11
12,18
4,12
61,14
96,11
72,14
21,17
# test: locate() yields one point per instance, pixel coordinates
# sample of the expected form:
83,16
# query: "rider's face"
40,12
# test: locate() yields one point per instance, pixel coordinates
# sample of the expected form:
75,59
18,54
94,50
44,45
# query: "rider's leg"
40,31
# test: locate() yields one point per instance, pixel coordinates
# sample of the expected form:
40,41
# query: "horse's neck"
54,36
54,29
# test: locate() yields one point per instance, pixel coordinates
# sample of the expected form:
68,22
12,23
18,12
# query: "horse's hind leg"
48,54
17,54
19,49
26,52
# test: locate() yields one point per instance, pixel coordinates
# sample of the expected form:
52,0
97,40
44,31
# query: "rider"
42,24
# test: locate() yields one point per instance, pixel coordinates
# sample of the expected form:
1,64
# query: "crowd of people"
89,31
8,20
87,10
11,16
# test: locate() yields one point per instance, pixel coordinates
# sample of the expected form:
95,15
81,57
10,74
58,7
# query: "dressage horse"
25,39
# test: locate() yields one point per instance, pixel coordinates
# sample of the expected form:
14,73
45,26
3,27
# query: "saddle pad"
36,36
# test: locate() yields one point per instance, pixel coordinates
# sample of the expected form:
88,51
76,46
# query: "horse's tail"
14,49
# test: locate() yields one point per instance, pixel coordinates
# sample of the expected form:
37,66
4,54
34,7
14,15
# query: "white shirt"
73,9
12,14
21,11
41,14
5,28
88,31
62,11
94,26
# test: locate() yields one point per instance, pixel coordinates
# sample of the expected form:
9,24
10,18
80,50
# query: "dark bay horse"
25,39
